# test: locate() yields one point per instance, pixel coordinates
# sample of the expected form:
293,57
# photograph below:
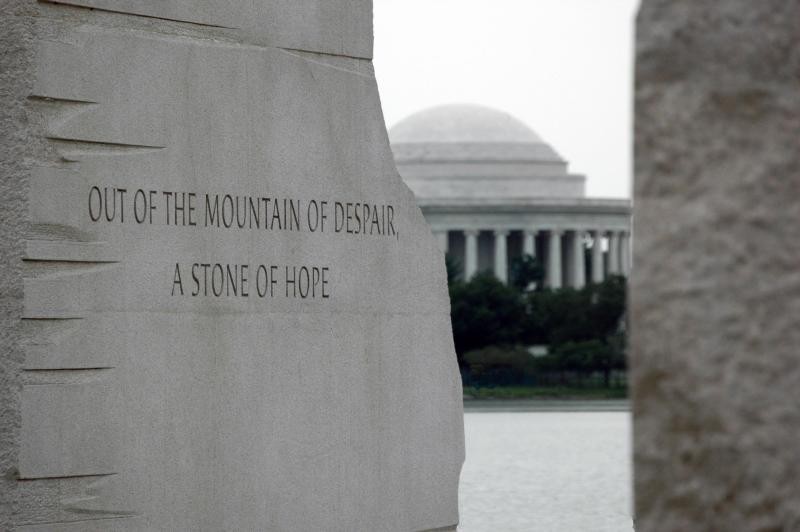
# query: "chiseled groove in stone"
81,500
59,111
58,232
196,31
53,314
65,376
93,493
71,263
46,319
50,99
64,477
134,14
66,251
328,60
81,525
68,431
216,40
60,292
73,506
61,268
55,345
98,147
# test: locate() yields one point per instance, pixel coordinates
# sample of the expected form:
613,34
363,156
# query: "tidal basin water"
548,471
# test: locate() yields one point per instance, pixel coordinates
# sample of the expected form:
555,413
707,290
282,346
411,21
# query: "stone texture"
715,295
127,400
340,27
61,429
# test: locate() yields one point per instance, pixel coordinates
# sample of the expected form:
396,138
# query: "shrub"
500,365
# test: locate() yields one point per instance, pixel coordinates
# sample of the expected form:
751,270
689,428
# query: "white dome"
459,151
462,124
468,133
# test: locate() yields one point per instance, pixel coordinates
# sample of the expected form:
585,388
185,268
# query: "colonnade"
615,259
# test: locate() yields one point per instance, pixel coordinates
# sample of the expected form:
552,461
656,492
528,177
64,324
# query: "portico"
570,257
493,191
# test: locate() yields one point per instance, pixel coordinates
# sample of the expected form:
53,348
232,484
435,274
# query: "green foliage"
568,315
497,363
584,329
526,271
485,312
453,266
584,356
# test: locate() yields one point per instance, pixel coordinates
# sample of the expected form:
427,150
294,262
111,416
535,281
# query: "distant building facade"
493,190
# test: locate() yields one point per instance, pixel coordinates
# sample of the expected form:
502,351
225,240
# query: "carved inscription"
245,280
116,205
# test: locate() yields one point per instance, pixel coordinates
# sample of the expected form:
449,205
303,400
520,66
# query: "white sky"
564,67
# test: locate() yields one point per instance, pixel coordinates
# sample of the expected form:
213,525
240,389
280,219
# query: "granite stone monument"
221,307
715,300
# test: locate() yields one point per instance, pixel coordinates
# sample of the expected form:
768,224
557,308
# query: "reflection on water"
546,471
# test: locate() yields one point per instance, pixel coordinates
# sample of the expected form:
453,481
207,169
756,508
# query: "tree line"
525,334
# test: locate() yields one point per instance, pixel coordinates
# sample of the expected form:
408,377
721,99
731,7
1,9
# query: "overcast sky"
564,67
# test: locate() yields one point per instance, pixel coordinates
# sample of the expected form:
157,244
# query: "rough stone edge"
18,146
440,260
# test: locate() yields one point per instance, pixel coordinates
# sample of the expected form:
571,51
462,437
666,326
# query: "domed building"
493,190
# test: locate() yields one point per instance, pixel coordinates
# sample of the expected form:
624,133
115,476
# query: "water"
546,471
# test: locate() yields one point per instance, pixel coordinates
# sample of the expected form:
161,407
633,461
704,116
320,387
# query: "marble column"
613,253
578,263
470,254
442,239
554,259
529,243
598,274
501,255
624,253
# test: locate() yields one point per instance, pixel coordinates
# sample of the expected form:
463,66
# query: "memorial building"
493,190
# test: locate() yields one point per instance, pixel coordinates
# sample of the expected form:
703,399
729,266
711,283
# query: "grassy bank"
535,392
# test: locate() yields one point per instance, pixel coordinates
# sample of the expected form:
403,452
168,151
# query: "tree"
583,328
525,272
453,267
555,317
607,305
485,312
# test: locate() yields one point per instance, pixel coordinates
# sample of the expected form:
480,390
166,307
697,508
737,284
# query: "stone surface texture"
716,282
127,402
